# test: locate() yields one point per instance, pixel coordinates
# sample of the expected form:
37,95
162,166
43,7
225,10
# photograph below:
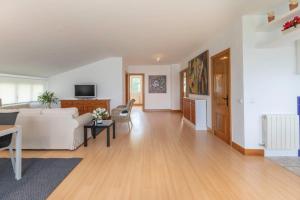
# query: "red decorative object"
292,23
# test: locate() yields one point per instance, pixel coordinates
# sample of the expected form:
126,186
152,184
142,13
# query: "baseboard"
248,152
161,110
189,123
157,110
238,148
254,152
278,153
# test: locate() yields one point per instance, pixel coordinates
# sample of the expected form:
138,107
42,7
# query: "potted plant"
100,114
48,98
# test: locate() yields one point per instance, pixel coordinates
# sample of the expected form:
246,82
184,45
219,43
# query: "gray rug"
290,163
39,177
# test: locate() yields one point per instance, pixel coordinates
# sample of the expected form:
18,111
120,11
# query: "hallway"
163,158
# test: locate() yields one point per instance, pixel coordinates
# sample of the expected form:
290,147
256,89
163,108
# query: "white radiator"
281,132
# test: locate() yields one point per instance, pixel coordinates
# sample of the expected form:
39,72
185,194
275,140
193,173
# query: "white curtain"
14,89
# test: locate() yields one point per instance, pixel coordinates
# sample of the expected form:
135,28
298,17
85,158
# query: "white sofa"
59,128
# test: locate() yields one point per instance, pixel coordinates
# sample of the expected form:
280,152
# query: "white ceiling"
46,37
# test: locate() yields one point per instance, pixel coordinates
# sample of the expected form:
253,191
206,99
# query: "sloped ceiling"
46,37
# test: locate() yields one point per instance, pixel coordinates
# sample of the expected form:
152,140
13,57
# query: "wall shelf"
278,23
284,38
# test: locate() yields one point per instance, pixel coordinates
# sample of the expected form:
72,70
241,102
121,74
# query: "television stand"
86,105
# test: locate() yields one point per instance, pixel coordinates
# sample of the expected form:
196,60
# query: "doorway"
221,96
135,85
183,87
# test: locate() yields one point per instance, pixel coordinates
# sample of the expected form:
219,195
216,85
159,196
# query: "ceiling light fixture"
224,58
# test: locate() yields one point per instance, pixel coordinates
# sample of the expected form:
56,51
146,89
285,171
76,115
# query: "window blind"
16,89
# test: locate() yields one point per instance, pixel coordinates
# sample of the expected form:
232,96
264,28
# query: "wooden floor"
163,158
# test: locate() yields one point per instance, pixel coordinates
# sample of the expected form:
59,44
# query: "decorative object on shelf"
99,115
271,16
198,75
158,84
293,4
48,98
291,24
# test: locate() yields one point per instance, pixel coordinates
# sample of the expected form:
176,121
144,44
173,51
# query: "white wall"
175,87
231,38
271,84
169,100
107,74
262,80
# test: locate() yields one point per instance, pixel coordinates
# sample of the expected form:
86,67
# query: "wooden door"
136,89
126,88
221,108
183,87
140,100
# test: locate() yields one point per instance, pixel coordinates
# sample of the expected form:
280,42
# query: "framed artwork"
157,84
198,75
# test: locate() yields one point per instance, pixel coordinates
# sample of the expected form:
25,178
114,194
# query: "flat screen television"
85,91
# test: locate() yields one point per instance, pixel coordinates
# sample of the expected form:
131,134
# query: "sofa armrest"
83,119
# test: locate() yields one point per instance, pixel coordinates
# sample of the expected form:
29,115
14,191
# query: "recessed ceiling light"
224,58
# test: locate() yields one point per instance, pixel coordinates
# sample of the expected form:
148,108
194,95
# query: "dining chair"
123,113
8,118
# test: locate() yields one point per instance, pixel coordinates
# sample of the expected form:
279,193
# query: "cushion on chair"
125,111
5,141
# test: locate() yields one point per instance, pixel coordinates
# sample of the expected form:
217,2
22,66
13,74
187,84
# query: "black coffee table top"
105,123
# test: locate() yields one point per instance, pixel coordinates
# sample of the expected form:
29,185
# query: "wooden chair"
6,137
122,113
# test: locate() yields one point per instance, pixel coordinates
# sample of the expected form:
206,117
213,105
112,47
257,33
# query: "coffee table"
98,128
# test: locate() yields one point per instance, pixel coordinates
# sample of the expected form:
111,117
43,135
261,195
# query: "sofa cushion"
16,106
30,111
8,110
71,111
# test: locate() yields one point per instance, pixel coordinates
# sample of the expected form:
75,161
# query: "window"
24,93
20,90
37,90
8,93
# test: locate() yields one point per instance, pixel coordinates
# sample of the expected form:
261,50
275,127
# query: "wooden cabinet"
195,112
189,109
186,108
86,106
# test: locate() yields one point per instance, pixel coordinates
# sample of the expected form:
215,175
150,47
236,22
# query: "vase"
99,121
271,16
293,6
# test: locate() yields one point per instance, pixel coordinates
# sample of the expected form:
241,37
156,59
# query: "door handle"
227,100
